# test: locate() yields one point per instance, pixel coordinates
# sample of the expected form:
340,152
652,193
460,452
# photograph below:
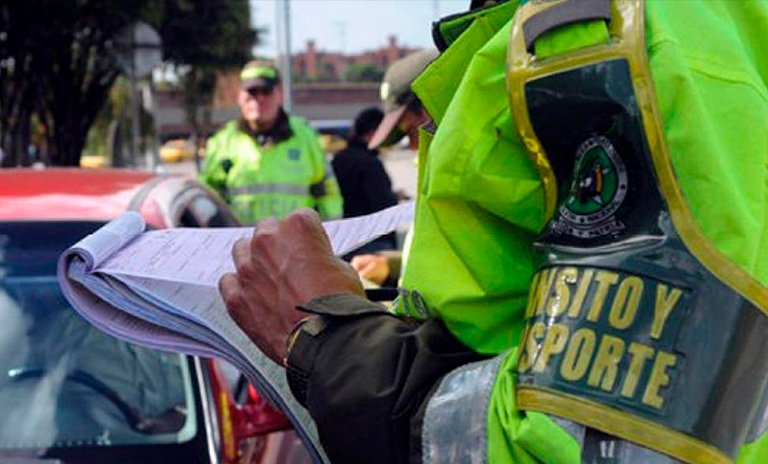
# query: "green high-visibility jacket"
481,202
273,180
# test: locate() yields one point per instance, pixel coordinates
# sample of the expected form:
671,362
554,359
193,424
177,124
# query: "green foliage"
81,53
116,105
59,64
58,60
213,33
207,38
364,72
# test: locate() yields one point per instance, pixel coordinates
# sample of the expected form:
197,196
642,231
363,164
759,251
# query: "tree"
223,40
364,72
59,63
82,67
58,59
19,80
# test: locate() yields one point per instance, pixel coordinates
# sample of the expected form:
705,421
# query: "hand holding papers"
286,264
159,289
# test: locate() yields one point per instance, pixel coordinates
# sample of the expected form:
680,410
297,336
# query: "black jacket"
365,186
364,183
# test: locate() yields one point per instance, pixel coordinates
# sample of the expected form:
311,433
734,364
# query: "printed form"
160,289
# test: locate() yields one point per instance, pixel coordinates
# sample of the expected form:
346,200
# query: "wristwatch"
312,324
306,339
300,353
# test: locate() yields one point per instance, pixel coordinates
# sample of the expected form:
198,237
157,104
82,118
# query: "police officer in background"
267,163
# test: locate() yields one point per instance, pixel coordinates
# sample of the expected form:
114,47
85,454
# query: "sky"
351,26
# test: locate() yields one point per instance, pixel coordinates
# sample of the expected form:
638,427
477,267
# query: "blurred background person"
267,163
404,115
365,184
403,111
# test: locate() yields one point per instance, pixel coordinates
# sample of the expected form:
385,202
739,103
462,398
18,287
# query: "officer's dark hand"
285,264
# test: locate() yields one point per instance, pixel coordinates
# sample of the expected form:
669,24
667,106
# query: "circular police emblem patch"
598,189
294,154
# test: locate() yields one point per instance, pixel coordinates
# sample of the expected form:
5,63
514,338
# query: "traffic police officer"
590,224
267,163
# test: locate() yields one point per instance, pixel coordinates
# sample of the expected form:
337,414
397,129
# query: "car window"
65,384
202,211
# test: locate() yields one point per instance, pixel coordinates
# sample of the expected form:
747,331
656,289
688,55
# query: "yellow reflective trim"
281,188
628,32
627,29
686,226
523,67
623,425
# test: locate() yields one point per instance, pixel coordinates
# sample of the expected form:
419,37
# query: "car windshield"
62,382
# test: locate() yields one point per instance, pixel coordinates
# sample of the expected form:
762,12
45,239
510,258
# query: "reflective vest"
272,180
482,204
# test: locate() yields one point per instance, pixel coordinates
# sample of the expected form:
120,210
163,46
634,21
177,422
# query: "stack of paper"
160,289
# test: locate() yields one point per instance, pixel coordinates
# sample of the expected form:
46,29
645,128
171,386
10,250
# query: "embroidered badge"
598,189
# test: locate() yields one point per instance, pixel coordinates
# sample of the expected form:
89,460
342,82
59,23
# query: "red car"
74,395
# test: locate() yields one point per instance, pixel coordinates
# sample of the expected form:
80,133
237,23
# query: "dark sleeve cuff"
342,304
365,373
303,351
